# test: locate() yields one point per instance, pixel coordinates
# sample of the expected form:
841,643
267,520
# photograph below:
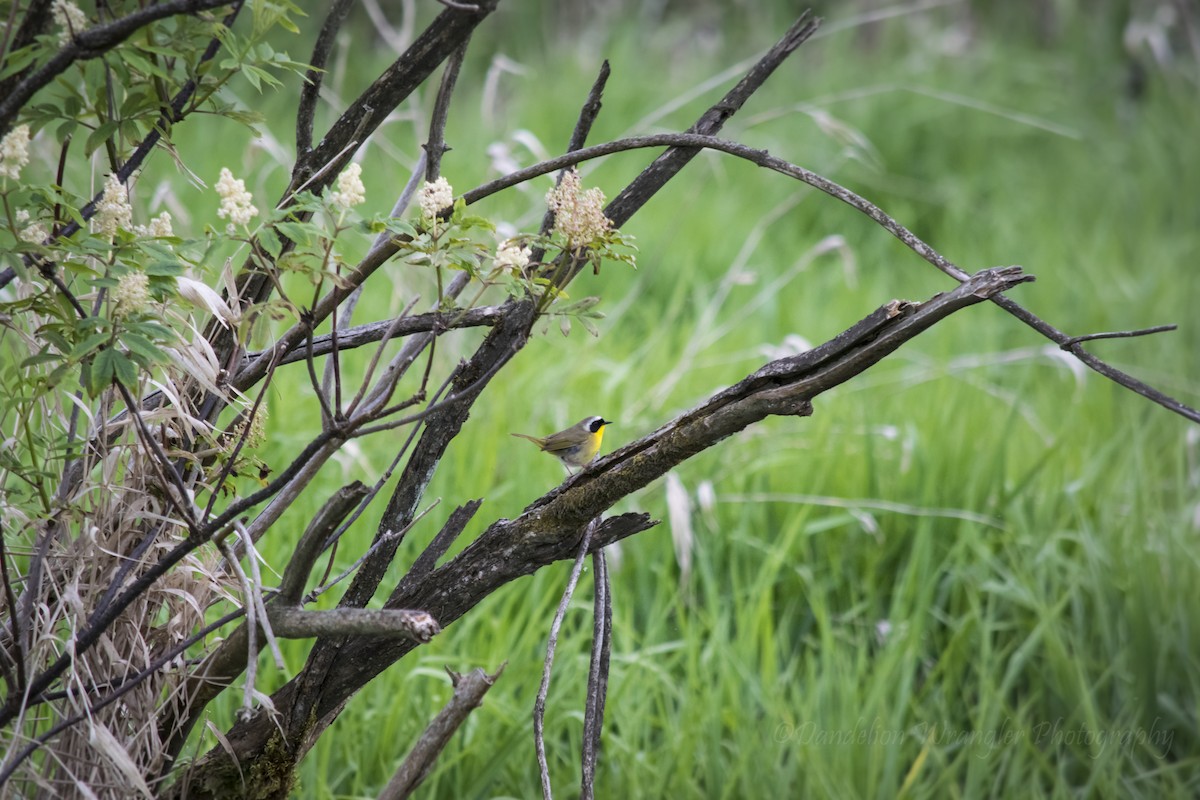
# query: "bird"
576,446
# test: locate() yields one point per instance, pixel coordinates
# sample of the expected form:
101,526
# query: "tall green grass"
972,572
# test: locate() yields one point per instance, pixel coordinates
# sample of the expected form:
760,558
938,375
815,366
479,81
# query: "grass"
972,572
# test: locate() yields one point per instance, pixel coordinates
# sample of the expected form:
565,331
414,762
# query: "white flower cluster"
510,255
236,202
434,197
578,215
350,191
34,233
113,211
14,152
132,292
70,18
159,226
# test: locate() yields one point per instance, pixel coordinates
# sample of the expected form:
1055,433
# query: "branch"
539,704
311,91
468,695
312,542
436,147
597,687
443,36
295,623
372,332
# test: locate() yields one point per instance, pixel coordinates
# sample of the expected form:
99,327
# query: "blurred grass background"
974,570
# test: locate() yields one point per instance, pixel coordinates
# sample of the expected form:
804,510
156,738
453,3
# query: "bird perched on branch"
574,447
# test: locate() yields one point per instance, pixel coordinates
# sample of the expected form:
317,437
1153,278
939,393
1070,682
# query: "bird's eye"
596,425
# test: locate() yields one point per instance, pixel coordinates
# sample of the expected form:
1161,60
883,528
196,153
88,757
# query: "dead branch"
539,704
468,695
597,686
371,623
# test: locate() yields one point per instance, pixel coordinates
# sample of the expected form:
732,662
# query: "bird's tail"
536,440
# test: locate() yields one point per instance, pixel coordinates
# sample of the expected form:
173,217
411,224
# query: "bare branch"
441,543
597,688
436,147
710,123
539,704
1088,337
371,332
294,623
468,695
311,91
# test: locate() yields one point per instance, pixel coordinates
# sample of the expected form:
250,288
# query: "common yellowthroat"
577,445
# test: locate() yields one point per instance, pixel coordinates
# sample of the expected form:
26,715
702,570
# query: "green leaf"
164,269
298,232
126,370
152,330
143,64
88,344
143,350
103,369
65,131
44,356
270,242
99,136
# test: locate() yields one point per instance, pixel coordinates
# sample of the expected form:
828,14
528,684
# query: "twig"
318,389
468,695
583,126
311,91
1087,337
388,333
385,539
539,704
597,688
10,599
251,609
435,147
